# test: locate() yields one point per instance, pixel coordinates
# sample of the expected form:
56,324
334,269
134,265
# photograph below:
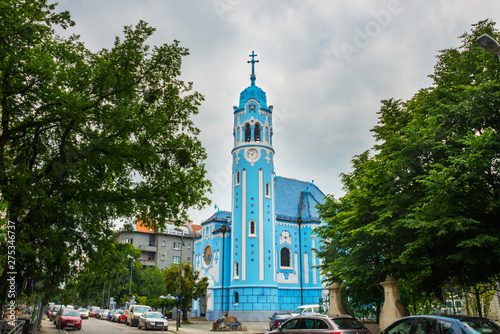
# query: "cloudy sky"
325,66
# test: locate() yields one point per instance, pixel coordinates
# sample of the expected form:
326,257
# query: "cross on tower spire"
253,61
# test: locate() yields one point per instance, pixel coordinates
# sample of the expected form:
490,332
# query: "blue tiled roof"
219,216
287,194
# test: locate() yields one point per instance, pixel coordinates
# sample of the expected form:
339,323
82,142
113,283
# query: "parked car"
94,310
53,313
84,313
442,324
308,309
278,318
104,314
152,320
134,312
69,317
116,315
123,317
322,324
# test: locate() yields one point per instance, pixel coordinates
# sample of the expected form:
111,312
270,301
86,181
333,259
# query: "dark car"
278,318
322,324
442,324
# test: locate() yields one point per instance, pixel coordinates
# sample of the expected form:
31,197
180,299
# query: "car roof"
447,316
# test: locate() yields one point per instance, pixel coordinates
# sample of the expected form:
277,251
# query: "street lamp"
178,322
224,228
489,44
131,263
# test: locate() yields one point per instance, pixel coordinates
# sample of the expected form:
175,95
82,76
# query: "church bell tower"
253,263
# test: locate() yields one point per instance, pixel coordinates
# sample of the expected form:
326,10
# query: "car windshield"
71,313
481,326
348,323
82,310
142,309
298,310
154,315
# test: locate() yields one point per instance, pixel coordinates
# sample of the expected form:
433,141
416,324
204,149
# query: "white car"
134,312
308,310
84,313
152,320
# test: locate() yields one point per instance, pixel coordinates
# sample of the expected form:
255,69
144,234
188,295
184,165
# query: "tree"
151,283
107,274
424,205
192,286
89,137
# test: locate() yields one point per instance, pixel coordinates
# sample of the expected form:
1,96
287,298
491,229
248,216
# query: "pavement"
198,326
203,326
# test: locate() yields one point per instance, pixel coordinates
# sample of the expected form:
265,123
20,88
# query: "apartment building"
173,245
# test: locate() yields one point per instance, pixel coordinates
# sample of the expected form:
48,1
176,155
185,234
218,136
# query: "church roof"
219,216
291,194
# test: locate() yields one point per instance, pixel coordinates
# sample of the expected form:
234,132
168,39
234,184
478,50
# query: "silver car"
152,320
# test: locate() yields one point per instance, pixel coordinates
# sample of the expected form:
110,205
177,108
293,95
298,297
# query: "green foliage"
424,205
192,286
151,283
88,137
107,274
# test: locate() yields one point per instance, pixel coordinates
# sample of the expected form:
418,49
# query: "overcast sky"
325,66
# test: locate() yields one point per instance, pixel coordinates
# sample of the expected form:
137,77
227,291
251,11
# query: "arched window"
236,297
256,132
248,132
285,257
237,178
236,270
268,190
251,228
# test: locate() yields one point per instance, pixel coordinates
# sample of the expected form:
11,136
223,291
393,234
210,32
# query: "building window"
152,240
236,270
251,228
188,259
189,246
248,132
127,241
236,297
151,256
176,259
256,132
268,190
163,243
237,178
177,245
285,257
163,257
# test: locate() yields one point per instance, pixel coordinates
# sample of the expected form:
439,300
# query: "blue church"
259,257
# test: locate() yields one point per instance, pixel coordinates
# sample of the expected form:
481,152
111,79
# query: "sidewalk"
48,327
203,326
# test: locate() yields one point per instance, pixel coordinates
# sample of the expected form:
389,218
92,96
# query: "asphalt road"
96,326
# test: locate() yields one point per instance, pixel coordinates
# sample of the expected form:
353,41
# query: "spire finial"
253,61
